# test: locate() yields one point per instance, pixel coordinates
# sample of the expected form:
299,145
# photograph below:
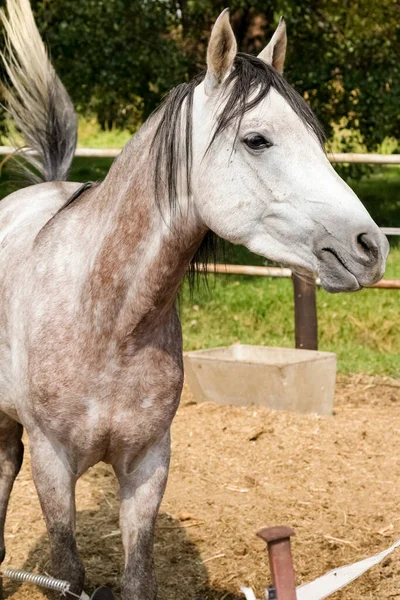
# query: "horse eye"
257,142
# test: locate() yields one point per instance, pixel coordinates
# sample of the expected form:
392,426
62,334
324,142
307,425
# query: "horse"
91,345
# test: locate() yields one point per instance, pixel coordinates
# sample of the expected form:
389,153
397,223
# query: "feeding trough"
279,378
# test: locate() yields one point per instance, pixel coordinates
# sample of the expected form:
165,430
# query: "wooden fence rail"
384,284
366,159
334,157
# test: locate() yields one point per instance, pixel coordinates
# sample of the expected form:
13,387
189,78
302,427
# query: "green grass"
362,328
91,135
380,193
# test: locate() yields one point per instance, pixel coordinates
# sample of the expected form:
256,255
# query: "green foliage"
342,55
118,58
91,135
350,50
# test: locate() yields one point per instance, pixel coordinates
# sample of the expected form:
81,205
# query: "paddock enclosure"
333,479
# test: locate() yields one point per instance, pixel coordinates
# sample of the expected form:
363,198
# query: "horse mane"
248,84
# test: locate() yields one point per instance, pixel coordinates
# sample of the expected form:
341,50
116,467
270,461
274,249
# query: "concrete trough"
279,378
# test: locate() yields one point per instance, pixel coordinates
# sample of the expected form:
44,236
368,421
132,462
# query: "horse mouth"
335,274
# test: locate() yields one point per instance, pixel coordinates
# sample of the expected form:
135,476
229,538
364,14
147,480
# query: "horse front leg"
11,455
141,492
55,484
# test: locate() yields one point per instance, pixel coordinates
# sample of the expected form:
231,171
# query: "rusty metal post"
305,313
280,560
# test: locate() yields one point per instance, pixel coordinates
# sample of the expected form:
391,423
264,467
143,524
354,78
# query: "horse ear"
274,53
221,52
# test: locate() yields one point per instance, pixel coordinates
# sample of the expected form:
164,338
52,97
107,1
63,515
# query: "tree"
118,58
342,55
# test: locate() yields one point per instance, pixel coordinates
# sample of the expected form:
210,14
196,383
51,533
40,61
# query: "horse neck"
142,252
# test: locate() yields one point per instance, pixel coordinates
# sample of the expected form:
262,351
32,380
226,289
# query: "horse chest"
103,414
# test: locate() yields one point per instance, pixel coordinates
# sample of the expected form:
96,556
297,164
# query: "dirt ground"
335,480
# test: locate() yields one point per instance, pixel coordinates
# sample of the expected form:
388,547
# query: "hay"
335,480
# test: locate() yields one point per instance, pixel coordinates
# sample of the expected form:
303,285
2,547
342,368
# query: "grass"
380,193
361,328
92,136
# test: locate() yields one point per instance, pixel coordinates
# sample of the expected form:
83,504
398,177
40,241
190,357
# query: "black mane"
173,138
250,74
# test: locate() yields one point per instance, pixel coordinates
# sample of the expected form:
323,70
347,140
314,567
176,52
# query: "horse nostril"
368,247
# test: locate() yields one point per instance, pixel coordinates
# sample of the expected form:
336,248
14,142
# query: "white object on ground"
338,578
248,592
334,580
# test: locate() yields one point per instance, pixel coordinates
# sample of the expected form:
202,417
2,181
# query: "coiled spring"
41,580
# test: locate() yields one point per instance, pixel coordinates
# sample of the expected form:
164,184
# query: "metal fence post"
305,313
280,560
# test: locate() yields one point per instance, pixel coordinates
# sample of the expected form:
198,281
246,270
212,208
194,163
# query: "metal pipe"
280,560
386,284
85,152
249,270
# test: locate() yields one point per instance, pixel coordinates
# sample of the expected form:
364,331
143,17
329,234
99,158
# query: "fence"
305,300
334,157
305,305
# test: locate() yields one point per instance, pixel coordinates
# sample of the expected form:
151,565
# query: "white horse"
91,349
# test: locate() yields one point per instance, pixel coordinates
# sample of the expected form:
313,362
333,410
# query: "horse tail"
36,99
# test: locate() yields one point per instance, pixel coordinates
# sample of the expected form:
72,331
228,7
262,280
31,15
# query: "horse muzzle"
350,267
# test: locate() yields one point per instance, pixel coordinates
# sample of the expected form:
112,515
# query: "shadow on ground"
180,571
